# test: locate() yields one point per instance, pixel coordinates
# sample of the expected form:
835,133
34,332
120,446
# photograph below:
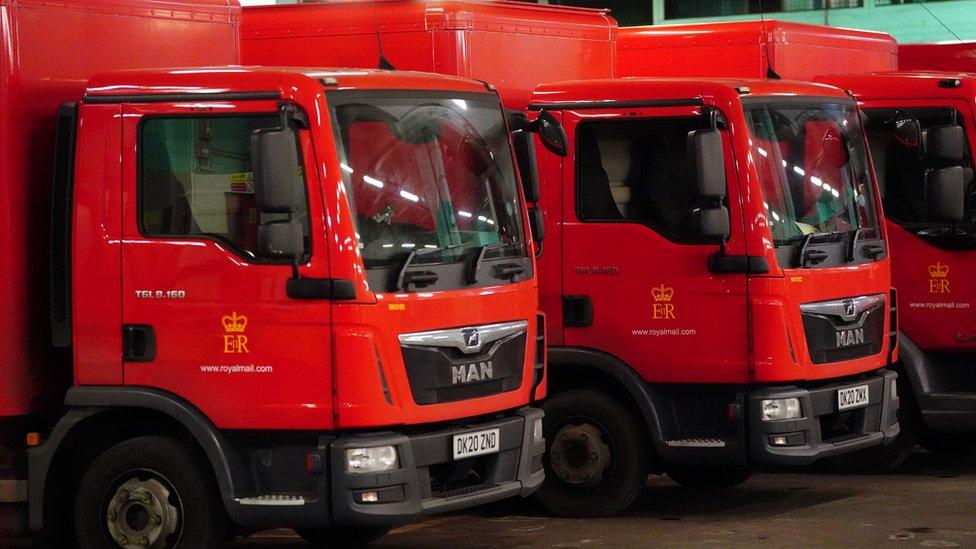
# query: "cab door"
206,317
636,281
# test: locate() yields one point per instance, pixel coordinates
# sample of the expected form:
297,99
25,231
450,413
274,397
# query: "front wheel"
342,536
596,457
149,492
708,478
948,444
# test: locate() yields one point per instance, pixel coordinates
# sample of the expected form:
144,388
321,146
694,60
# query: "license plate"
477,443
852,397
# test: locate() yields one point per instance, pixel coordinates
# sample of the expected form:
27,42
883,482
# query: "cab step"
696,443
273,500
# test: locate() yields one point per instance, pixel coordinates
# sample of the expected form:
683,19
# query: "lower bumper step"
696,443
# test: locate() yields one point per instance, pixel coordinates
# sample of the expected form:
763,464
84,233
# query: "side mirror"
277,170
281,240
907,132
946,192
706,164
711,223
944,144
528,167
551,133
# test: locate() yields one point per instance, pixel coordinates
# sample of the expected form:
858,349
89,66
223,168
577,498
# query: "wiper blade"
472,274
420,279
805,256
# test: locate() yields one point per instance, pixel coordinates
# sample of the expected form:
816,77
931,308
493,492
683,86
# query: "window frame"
669,236
223,242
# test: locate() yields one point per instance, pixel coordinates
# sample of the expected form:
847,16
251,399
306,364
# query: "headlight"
537,431
780,408
371,460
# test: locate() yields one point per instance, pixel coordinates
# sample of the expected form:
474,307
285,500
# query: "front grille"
842,426
833,335
461,477
445,374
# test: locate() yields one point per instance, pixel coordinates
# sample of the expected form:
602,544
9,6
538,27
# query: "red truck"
922,134
915,125
959,56
256,297
715,275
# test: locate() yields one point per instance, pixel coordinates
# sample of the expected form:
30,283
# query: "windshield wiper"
419,279
870,251
506,271
815,257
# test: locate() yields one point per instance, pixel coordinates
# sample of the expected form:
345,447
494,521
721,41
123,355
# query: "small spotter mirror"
551,133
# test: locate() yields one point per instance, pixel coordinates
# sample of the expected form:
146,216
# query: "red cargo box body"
49,51
795,51
943,56
513,45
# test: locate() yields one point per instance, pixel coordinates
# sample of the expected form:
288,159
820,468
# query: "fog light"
371,460
537,431
369,497
780,408
780,441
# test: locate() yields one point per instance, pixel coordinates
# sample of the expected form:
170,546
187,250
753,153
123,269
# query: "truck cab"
921,132
717,284
316,306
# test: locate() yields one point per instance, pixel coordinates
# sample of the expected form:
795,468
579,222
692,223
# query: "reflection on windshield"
430,175
812,167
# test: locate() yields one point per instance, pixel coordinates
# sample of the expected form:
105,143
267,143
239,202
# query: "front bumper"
823,430
429,481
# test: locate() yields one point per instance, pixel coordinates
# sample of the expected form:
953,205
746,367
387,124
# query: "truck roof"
906,84
633,89
131,85
311,19
201,10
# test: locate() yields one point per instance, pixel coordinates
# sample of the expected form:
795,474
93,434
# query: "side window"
901,170
195,179
635,171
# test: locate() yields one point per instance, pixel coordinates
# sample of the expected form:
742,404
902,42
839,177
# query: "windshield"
429,174
813,170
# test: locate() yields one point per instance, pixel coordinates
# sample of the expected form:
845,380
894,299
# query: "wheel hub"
140,515
578,455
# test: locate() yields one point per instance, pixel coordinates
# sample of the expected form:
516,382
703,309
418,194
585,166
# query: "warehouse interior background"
907,20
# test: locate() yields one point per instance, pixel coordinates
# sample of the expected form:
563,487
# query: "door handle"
138,343
577,311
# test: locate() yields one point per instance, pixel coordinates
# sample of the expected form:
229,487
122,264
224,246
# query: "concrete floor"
929,502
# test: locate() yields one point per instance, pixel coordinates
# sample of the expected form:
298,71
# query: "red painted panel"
742,49
482,40
941,56
49,51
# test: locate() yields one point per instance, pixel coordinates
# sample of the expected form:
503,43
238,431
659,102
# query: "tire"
882,459
708,478
605,455
949,444
343,536
156,488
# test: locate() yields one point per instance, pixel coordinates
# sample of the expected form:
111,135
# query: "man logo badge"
849,307
472,338
846,338
471,373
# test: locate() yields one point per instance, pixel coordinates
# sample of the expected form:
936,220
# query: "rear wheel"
343,536
881,459
708,478
596,457
151,492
